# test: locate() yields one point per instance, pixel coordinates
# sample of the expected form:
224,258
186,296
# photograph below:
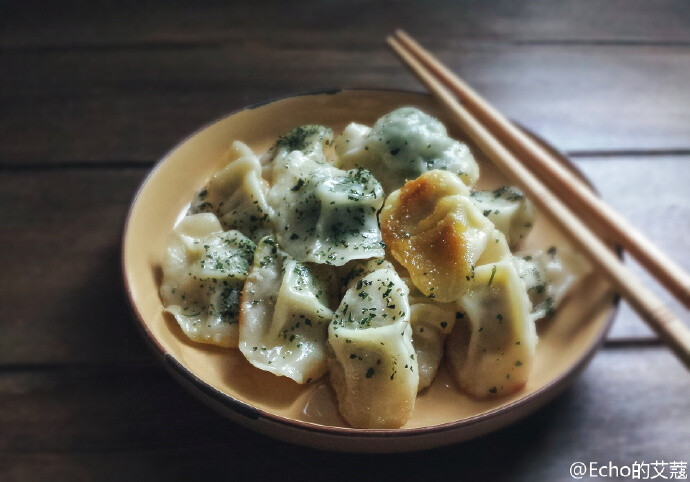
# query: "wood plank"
62,240
652,194
133,105
92,424
31,24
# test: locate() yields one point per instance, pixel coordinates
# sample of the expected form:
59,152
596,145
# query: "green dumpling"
401,146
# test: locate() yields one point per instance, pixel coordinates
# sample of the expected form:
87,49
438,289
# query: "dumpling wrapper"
491,350
509,210
436,232
549,276
284,316
354,271
373,367
401,146
237,194
312,140
203,274
326,215
431,323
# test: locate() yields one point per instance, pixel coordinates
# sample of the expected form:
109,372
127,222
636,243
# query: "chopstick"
671,330
571,190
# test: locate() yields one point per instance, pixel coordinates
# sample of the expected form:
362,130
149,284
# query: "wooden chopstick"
646,304
571,190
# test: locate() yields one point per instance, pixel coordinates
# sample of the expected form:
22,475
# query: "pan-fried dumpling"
436,232
326,215
403,145
284,316
203,275
509,209
491,349
237,195
373,368
548,276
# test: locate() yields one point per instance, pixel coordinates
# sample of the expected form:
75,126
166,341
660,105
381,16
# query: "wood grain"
137,422
61,255
133,105
135,23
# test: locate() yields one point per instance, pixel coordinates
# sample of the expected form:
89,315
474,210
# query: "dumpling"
351,143
324,214
312,140
454,253
354,271
237,195
509,209
401,146
203,275
436,232
431,323
548,276
373,368
284,316
491,349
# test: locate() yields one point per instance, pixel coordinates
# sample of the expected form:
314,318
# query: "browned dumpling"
436,232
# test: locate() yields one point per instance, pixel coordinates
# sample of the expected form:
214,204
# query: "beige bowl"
308,415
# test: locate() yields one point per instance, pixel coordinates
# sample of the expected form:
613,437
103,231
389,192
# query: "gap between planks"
467,42
581,155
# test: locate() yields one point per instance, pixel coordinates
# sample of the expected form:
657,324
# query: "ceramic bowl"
308,415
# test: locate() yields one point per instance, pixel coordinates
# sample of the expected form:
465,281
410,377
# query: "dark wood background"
92,93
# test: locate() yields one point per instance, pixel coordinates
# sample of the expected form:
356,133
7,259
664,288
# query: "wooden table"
93,93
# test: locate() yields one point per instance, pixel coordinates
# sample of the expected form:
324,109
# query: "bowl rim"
178,369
